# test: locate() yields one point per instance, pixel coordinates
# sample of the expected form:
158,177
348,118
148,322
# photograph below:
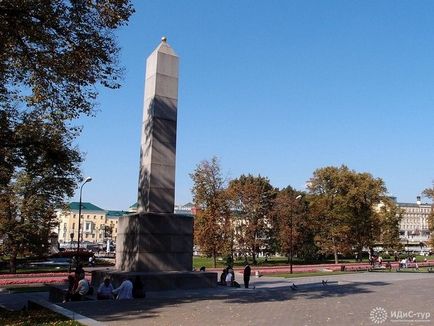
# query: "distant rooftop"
116,214
74,206
413,204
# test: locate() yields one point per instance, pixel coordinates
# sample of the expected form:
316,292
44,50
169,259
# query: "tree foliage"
346,206
252,200
53,55
429,192
54,52
212,227
40,167
328,188
292,228
390,217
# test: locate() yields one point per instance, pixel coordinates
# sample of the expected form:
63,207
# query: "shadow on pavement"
159,303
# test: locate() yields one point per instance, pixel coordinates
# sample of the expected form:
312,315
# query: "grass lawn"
199,261
37,270
307,274
39,317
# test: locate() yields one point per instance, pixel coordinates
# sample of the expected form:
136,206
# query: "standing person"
246,275
124,291
229,279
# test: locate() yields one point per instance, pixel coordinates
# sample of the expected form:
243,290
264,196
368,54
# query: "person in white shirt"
229,279
124,291
105,290
82,288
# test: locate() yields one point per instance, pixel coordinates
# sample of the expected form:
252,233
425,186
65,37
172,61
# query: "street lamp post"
88,179
291,236
419,203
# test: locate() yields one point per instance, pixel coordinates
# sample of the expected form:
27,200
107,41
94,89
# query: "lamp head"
88,179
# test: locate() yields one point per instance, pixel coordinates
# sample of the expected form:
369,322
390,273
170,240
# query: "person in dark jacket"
246,275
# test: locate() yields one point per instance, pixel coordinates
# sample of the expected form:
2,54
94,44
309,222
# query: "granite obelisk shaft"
158,145
155,239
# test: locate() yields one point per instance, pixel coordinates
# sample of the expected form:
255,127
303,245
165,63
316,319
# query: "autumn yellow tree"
346,206
212,225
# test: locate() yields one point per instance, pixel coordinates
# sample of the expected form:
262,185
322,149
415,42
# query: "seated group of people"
128,289
79,287
227,278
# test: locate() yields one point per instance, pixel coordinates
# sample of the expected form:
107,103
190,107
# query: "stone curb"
65,312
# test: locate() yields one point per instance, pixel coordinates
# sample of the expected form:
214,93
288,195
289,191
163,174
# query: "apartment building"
414,232
96,226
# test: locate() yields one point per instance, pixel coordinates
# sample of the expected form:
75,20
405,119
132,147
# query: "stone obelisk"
155,239
158,147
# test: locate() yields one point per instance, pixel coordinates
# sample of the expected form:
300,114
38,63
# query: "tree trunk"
254,257
335,252
360,255
214,258
13,262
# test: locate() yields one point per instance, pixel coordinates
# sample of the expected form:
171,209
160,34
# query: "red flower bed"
15,281
27,275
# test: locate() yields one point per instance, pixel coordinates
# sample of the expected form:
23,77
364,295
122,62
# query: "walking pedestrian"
246,275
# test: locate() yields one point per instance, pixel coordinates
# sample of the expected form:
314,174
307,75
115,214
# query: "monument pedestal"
159,281
158,248
155,242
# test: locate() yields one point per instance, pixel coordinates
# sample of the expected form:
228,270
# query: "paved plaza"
348,299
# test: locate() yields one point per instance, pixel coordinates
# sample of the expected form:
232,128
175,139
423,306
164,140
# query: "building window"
88,226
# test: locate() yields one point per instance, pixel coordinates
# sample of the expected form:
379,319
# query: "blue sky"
277,88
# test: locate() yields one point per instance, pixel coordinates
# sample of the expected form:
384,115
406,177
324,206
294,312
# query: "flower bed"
27,275
16,281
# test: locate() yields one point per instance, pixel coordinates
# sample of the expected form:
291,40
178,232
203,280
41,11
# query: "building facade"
413,230
97,225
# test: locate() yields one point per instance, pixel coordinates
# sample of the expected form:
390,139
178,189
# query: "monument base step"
159,281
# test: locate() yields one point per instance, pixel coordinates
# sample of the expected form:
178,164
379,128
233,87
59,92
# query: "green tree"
349,203
45,170
252,199
287,216
328,188
365,194
54,52
429,192
53,56
212,225
390,217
